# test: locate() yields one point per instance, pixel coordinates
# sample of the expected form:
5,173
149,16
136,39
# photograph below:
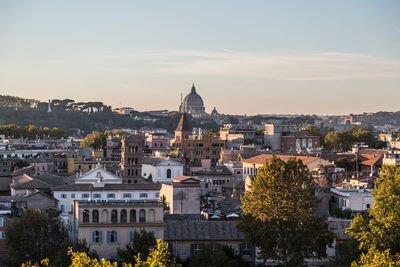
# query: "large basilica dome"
193,104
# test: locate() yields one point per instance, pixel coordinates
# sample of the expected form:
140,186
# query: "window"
127,195
2,235
1,222
63,195
246,250
85,217
169,173
96,195
157,195
97,236
304,144
132,216
95,216
114,216
142,216
143,195
62,208
85,195
124,216
112,236
132,235
309,143
368,206
194,248
72,195
111,195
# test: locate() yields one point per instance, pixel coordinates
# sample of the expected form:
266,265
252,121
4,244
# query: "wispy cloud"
301,67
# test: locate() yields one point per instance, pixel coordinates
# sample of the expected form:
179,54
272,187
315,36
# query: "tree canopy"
34,236
213,255
143,241
343,140
378,232
280,214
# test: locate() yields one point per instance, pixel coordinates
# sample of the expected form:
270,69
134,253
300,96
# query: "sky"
244,57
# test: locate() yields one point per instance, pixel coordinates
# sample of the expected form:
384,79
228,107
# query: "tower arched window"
309,143
132,216
142,216
123,216
95,216
86,216
169,173
114,216
304,145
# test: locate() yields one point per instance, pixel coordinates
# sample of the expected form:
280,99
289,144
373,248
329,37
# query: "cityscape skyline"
274,58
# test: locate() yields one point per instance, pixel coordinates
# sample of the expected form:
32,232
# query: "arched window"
104,216
95,216
142,216
304,143
86,216
151,216
132,216
123,216
298,144
114,216
309,143
169,173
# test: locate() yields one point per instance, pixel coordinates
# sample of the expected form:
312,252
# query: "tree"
211,255
158,257
280,214
143,241
313,130
378,231
95,140
34,236
346,253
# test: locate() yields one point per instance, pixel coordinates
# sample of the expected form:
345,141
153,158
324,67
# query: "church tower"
49,107
183,131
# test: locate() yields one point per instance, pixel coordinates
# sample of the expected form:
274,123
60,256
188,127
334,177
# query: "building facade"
107,226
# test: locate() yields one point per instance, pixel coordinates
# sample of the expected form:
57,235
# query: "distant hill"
14,102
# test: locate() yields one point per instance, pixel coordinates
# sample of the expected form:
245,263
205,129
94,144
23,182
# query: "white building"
354,199
100,185
161,170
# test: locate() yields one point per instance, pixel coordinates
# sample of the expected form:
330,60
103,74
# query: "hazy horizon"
259,57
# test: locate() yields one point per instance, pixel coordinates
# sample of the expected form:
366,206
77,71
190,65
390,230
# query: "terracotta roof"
261,159
375,161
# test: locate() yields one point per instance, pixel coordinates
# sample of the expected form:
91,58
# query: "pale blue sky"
245,57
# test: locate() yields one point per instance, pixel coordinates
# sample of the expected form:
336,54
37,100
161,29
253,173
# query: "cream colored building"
182,195
107,226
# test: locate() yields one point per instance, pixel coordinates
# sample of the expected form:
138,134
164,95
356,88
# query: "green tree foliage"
346,253
14,102
158,257
34,236
343,140
211,255
313,130
96,140
31,132
143,241
349,165
378,232
280,214
260,132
